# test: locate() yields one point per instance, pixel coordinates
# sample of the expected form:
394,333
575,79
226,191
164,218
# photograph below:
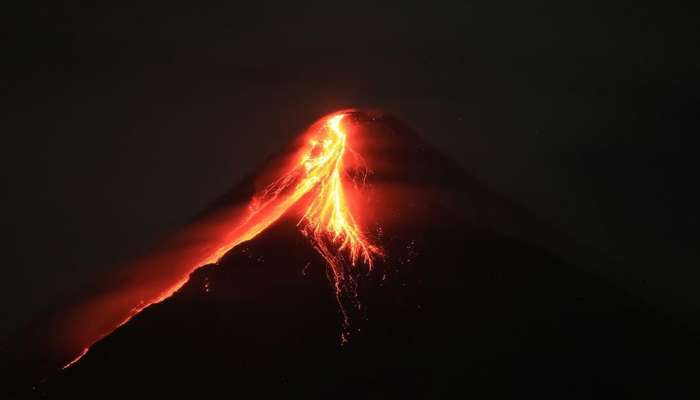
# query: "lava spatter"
318,177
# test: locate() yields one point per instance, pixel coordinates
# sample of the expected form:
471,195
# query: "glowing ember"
327,220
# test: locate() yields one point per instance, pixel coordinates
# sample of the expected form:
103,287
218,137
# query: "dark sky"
123,123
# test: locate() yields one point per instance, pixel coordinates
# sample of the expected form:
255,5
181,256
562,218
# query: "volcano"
423,283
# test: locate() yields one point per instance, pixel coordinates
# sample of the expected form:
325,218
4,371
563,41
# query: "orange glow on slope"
320,168
327,221
76,359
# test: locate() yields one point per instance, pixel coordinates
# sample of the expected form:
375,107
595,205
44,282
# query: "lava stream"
327,221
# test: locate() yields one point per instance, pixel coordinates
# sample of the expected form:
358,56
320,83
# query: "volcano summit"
359,263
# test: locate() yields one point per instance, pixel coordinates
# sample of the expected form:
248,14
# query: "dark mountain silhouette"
464,303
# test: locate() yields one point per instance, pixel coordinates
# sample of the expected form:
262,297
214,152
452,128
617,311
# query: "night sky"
122,124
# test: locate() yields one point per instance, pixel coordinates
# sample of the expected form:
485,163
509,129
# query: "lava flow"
320,168
318,171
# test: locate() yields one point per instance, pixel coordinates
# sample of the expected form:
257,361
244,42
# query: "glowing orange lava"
320,169
327,221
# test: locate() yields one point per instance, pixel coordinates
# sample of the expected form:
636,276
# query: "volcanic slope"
461,303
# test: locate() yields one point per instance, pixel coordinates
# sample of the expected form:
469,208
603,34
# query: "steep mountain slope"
462,302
